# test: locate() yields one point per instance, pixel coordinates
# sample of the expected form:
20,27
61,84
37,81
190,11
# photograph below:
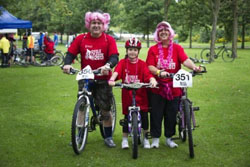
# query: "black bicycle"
227,54
134,117
56,59
185,116
84,121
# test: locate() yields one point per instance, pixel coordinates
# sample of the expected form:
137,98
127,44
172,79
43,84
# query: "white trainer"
146,144
171,143
155,143
125,144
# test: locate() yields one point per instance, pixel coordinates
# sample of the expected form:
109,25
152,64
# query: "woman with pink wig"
98,50
163,58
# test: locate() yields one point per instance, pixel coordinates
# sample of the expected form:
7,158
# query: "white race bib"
85,73
182,79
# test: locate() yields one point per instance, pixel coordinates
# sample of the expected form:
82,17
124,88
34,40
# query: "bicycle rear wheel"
187,113
227,55
57,59
135,135
40,58
79,127
205,54
113,115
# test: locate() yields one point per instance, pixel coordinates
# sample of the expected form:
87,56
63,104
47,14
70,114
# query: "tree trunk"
243,35
235,27
166,6
215,4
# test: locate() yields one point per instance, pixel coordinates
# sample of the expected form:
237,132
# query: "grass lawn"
36,106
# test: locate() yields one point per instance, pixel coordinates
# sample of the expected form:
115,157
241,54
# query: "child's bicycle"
84,121
185,116
227,54
134,117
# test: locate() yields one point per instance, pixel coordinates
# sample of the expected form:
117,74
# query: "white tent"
4,31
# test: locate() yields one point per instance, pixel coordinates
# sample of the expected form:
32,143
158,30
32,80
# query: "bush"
183,35
205,36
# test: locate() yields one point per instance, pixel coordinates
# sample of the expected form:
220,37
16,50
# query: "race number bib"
182,79
85,73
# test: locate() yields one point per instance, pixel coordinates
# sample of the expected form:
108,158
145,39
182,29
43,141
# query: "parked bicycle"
20,57
56,59
226,53
134,118
83,120
185,116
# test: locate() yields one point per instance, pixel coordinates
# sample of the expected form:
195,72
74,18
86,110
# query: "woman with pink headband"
163,58
98,50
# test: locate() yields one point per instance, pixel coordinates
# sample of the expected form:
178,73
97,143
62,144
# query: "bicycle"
81,124
20,57
185,116
134,117
227,54
56,60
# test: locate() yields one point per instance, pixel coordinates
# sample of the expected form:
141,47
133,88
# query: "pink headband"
104,18
161,26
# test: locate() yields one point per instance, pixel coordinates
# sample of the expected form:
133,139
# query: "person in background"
163,58
40,41
30,45
99,50
131,69
55,40
49,47
5,48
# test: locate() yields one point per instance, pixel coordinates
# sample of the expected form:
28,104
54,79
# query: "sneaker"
125,144
109,142
171,143
146,144
155,143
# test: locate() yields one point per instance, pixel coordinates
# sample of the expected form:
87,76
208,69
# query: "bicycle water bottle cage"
123,122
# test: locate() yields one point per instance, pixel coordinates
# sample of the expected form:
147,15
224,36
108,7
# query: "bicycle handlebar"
133,85
73,71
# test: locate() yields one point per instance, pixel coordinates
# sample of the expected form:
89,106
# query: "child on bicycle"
131,69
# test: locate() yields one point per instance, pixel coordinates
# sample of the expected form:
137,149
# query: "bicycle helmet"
133,43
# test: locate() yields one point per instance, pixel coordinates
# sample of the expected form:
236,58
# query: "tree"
235,27
215,5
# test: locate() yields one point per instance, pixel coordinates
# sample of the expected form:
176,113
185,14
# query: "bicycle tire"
187,113
40,58
113,115
57,59
227,55
181,129
135,135
205,54
79,134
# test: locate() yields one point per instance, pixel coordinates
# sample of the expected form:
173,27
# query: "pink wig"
104,18
161,26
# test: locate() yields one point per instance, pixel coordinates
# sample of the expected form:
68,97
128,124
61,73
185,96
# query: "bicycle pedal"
196,108
148,135
123,122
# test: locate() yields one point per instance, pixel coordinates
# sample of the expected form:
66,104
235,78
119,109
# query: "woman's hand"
153,82
66,69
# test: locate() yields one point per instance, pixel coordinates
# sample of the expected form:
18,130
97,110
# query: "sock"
108,132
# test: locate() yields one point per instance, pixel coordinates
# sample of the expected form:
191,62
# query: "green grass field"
36,106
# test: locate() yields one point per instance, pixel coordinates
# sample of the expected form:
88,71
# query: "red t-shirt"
130,73
178,57
94,51
49,45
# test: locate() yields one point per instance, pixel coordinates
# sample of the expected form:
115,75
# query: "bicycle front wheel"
205,54
187,113
40,58
181,126
113,117
57,59
135,135
79,127
227,55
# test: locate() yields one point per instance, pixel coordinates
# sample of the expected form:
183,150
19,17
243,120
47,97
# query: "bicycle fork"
134,109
